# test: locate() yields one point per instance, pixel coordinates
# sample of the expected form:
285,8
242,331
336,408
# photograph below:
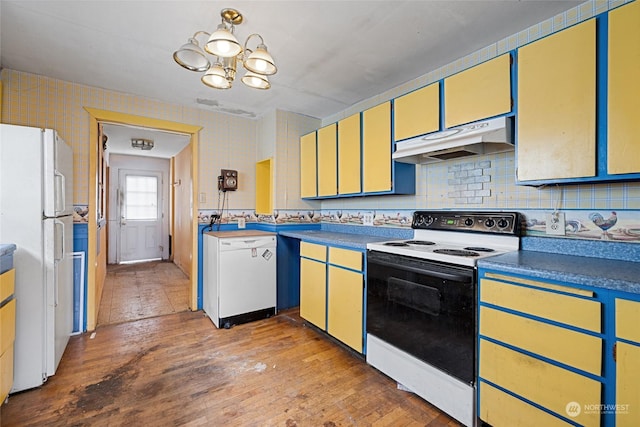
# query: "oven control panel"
482,222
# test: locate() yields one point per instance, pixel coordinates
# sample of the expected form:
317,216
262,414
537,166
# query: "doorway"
185,224
139,209
141,236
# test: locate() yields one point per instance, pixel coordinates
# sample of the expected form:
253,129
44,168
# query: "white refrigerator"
36,207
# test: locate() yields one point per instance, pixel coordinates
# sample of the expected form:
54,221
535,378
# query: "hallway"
138,291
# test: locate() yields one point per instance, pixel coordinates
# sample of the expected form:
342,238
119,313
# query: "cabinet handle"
615,352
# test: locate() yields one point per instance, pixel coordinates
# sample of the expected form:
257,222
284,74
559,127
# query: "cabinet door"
349,159
628,384
7,325
6,374
376,146
417,113
327,161
623,149
313,291
345,306
479,92
556,130
308,183
628,362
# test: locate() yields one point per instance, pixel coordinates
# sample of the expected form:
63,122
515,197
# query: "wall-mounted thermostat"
228,180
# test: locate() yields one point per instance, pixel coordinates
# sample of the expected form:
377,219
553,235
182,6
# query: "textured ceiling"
330,54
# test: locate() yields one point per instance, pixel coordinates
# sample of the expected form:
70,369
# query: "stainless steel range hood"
485,137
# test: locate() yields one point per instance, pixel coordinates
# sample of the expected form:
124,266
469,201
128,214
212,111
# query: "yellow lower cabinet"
628,363
627,385
628,319
313,291
501,409
7,326
549,386
345,306
6,374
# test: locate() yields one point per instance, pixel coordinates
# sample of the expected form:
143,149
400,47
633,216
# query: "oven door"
425,308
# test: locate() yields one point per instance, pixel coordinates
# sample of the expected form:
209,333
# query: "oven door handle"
438,274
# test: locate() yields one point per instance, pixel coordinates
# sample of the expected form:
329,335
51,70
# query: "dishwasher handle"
237,244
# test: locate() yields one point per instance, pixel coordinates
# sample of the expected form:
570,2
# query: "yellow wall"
225,141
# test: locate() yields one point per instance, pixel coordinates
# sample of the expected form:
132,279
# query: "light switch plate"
367,218
202,197
242,223
555,224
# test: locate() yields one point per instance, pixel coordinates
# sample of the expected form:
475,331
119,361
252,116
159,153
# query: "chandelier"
221,72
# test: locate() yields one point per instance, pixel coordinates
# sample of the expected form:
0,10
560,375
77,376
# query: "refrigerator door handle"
59,241
60,192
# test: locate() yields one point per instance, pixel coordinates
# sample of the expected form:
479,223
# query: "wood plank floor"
179,370
141,290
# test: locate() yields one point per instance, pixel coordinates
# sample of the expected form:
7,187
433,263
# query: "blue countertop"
7,249
611,274
355,241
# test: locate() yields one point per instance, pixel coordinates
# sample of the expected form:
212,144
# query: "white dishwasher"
239,276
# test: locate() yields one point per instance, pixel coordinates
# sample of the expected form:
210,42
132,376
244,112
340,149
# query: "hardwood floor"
179,370
138,291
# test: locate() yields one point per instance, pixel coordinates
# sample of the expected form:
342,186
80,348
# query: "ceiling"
330,54
166,144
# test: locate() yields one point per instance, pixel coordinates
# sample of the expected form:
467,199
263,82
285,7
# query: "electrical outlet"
242,223
202,197
556,224
367,218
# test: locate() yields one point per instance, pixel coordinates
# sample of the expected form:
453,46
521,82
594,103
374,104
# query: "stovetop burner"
460,238
456,252
420,242
479,249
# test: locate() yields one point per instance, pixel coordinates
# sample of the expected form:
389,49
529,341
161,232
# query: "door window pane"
141,198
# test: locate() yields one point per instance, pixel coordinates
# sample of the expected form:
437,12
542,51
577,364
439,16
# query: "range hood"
485,137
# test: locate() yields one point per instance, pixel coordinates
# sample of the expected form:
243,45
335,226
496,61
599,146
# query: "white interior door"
140,203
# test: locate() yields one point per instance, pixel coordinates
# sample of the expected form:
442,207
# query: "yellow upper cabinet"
376,146
349,181
417,113
623,149
327,161
556,129
264,187
478,92
308,180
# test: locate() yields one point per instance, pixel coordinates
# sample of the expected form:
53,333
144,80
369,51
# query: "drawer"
313,251
345,258
7,284
628,319
539,284
572,348
7,325
578,312
6,373
501,409
548,385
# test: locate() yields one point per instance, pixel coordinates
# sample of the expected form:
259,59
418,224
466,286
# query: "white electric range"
422,303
